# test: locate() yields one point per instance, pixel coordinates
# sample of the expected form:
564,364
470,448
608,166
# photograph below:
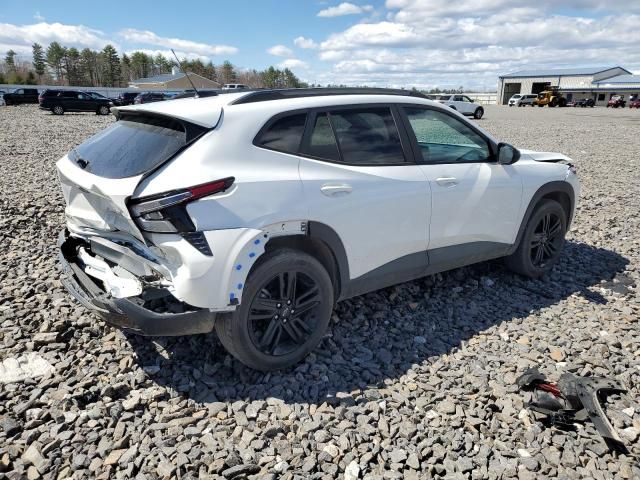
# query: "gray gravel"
415,381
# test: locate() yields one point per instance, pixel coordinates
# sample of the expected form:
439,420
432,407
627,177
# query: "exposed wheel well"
563,199
311,246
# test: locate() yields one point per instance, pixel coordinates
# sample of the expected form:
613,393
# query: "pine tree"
140,65
111,66
10,61
125,68
227,73
55,56
73,68
210,71
38,60
89,65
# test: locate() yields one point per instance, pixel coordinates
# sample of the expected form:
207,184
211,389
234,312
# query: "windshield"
130,147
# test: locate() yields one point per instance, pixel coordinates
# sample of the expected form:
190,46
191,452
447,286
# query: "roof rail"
281,94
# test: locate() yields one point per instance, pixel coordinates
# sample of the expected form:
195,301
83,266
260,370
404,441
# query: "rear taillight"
167,213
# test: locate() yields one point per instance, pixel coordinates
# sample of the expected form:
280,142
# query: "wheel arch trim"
546,191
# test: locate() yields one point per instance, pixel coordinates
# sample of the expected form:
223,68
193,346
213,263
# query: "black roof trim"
285,93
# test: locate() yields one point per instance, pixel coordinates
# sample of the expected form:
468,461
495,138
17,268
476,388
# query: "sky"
394,43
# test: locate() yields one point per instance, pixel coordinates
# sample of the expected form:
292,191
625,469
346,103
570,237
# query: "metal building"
575,83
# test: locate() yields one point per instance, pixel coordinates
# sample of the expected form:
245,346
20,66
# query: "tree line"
60,65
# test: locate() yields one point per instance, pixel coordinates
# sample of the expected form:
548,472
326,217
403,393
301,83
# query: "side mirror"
507,154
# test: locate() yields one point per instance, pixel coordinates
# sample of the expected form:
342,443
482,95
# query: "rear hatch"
100,175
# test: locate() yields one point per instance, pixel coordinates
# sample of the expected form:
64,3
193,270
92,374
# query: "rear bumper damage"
151,311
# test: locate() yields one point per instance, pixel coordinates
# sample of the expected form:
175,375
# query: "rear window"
285,134
130,147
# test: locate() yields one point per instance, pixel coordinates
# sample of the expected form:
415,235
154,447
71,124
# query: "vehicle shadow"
380,335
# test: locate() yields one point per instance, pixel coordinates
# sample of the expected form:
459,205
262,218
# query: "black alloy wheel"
542,240
547,240
284,312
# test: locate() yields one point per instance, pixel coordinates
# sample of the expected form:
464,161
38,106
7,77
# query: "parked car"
616,101
513,101
634,103
61,101
585,102
463,104
21,95
257,221
149,97
125,98
98,95
234,86
527,99
2,103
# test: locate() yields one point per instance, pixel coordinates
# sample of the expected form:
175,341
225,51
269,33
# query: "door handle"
335,190
447,181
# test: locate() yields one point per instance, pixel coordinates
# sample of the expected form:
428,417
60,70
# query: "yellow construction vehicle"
551,97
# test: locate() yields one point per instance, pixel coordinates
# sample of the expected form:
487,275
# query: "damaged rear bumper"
128,313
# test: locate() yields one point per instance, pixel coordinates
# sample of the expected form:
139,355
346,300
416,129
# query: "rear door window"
322,143
367,136
130,147
284,134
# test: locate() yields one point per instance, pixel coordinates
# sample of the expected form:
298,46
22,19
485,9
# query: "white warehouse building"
598,83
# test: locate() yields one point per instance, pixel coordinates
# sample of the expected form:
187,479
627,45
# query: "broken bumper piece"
574,399
131,313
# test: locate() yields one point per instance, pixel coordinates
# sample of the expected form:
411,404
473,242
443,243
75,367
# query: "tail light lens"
167,213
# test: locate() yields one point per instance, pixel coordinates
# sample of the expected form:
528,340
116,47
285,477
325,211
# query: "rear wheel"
103,110
478,113
542,241
57,110
285,310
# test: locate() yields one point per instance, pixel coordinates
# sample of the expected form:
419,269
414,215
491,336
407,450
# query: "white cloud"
293,63
38,17
435,43
303,42
344,8
147,37
366,34
21,37
280,51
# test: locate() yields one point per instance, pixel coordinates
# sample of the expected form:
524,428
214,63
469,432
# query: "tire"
478,113
57,110
542,241
265,299
103,110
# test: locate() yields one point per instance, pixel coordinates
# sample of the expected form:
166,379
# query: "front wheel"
542,241
285,311
478,113
103,110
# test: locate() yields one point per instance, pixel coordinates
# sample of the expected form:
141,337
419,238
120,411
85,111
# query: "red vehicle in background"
634,102
616,101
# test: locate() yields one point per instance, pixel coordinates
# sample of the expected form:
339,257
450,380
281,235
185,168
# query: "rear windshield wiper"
75,156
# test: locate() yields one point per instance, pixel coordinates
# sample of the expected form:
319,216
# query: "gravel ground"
415,381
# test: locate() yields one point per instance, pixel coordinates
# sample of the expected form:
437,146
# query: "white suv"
463,104
254,212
